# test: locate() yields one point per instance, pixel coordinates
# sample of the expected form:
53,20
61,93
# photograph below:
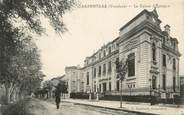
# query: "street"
39,107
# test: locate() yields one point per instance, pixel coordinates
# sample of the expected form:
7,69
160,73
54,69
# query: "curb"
117,109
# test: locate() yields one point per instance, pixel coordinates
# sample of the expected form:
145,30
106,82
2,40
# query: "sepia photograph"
91,57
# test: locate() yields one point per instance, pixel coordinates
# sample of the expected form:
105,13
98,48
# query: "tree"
21,72
19,58
121,70
62,87
29,12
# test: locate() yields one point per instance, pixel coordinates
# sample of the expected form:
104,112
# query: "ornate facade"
153,60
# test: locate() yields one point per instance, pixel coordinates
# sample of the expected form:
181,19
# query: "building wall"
74,76
138,36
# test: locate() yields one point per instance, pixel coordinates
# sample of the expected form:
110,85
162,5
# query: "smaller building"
75,77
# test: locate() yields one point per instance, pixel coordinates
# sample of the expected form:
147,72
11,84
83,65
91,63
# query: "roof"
72,67
103,47
153,13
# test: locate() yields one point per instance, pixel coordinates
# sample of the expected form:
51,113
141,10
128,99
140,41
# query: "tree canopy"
20,63
29,12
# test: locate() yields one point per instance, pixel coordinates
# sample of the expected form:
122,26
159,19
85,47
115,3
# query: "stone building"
75,79
152,56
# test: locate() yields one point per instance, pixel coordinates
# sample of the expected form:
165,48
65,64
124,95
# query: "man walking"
58,96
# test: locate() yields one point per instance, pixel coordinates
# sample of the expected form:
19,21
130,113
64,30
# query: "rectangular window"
99,55
104,53
174,64
174,83
164,40
117,85
109,49
164,82
154,82
109,86
87,78
104,69
94,72
99,71
131,64
109,67
99,87
164,60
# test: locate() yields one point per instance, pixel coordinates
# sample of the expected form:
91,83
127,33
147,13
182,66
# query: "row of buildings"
153,61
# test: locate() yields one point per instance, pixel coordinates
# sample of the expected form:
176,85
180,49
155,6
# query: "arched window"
154,52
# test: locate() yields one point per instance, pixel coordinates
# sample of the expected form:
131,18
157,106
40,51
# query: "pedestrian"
58,96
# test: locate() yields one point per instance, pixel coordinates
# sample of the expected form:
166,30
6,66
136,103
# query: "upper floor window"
174,45
87,78
109,67
94,72
164,40
99,71
153,52
131,64
99,55
109,49
87,62
104,53
164,60
174,64
104,69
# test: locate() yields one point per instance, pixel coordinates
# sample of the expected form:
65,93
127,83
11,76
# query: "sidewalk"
132,107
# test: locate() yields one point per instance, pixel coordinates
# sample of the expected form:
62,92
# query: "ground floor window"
100,87
174,83
154,82
109,86
117,85
164,82
104,87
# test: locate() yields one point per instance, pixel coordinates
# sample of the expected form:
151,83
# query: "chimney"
167,29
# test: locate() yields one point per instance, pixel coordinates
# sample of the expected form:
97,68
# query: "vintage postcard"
91,57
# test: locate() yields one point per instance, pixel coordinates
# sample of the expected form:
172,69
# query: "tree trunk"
7,90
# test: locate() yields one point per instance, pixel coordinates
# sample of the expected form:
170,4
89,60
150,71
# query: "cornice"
143,25
171,50
102,59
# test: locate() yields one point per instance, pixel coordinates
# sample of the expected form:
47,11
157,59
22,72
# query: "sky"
89,28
